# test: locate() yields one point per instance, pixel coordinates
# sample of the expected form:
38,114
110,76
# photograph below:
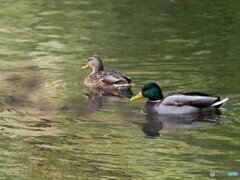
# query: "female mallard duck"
106,81
177,102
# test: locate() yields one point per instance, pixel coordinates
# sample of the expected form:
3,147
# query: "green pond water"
50,128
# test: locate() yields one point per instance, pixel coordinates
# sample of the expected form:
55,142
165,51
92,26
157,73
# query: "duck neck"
154,101
149,106
97,69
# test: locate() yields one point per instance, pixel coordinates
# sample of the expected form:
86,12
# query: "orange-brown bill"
85,67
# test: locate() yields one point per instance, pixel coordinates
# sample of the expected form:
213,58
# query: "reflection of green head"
152,91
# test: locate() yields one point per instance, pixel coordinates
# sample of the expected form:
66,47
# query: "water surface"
50,128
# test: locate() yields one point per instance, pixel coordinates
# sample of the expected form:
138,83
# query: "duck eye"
145,89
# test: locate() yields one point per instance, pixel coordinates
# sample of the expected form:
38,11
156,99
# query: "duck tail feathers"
219,103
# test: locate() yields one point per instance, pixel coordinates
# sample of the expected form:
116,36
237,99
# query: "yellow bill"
138,96
85,67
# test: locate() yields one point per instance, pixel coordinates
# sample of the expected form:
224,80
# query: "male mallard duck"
177,102
107,81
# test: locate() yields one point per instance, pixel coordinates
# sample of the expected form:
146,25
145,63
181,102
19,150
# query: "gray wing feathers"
182,100
110,79
128,79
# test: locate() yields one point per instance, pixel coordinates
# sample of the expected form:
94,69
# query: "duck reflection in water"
155,123
96,97
152,126
95,100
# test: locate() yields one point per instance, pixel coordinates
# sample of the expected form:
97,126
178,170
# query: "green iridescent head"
151,91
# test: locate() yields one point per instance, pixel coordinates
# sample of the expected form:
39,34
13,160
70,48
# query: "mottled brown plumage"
111,82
